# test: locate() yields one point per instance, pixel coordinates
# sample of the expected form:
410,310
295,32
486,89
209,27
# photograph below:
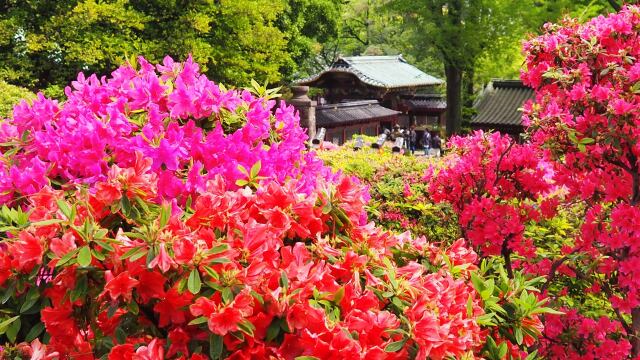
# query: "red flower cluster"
494,185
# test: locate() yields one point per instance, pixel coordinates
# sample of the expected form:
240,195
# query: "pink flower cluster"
159,112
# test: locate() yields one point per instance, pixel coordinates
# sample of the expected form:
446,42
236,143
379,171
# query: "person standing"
426,142
412,138
436,144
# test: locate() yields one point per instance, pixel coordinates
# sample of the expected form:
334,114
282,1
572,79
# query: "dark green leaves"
215,346
4,325
33,295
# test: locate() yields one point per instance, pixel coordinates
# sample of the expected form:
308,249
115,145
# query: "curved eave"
310,81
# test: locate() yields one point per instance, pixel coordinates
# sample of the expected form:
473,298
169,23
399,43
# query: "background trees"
45,43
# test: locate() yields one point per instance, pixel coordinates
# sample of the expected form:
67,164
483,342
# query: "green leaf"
151,254
246,327
66,210
306,357
327,208
337,297
517,332
273,330
137,255
133,307
284,280
227,295
255,170
130,253
220,260
532,355
165,214
546,310
84,256
215,346
257,297
126,206
210,272
35,331
12,330
6,323
194,284
33,295
98,255
198,320
395,346
502,350
217,249
121,335
47,222
105,245
243,170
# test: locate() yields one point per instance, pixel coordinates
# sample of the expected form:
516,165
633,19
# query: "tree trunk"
454,99
468,87
615,5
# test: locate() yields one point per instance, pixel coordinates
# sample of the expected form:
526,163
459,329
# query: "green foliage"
11,95
399,200
46,43
511,308
573,271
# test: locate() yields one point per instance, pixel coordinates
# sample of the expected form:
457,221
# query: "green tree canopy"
45,43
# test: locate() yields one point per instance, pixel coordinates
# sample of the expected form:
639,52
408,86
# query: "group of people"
429,141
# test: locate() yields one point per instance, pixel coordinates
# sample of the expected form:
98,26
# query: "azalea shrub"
586,119
154,214
566,204
399,198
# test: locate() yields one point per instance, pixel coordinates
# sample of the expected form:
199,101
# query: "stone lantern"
306,107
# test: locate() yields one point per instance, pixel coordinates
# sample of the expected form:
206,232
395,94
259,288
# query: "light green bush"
10,95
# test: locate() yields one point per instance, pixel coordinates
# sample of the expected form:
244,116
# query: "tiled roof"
429,102
380,71
501,102
332,115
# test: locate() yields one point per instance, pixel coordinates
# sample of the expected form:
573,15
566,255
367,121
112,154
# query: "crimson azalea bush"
566,204
154,214
586,118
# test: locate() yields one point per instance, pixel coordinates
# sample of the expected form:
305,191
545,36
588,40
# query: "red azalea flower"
170,308
60,323
179,340
5,267
28,251
121,286
150,286
225,321
153,351
203,307
121,352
